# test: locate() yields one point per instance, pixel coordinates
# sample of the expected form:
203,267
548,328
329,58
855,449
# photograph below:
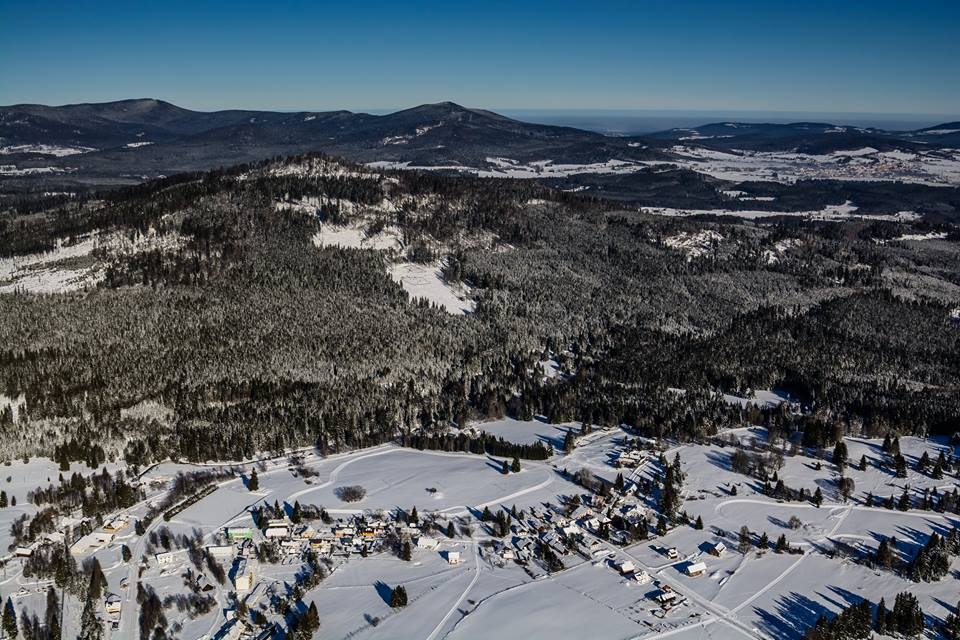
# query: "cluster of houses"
630,458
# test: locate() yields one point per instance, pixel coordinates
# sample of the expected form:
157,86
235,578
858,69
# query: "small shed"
624,566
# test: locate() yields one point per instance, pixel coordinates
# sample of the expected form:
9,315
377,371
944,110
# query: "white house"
695,569
666,596
426,542
243,577
220,551
276,531
453,557
672,553
164,558
718,549
642,576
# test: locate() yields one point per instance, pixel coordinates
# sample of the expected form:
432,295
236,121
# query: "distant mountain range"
812,137
132,140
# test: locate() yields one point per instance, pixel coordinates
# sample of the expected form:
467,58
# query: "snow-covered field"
44,149
694,245
12,170
71,265
934,167
425,282
420,281
355,237
937,168
526,431
830,213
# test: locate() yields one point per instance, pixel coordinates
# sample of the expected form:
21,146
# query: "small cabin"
624,566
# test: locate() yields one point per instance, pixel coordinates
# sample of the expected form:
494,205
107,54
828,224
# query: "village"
240,558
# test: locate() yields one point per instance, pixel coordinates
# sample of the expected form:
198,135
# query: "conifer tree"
880,621
253,484
9,619
904,503
661,526
399,597
781,544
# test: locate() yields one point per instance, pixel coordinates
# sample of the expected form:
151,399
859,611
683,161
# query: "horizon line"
649,111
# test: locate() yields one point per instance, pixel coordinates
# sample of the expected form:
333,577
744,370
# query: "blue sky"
872,56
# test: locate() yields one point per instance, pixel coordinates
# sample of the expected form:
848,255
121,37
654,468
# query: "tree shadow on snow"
792,616
384,590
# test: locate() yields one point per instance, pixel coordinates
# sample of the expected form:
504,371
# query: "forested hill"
215,315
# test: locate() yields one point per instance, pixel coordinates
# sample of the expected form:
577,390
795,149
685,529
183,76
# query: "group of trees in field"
905,619
481,444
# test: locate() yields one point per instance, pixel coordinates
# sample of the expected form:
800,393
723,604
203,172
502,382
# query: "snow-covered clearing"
44,149
72,265
526,431
12,170
780,247
356,237
403,477
694,245
760,397
919,237
830,213
425,282
509,168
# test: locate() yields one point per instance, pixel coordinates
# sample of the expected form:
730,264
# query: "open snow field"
425,282
73,265
935,167
401,478
526,431
830,213
420,281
